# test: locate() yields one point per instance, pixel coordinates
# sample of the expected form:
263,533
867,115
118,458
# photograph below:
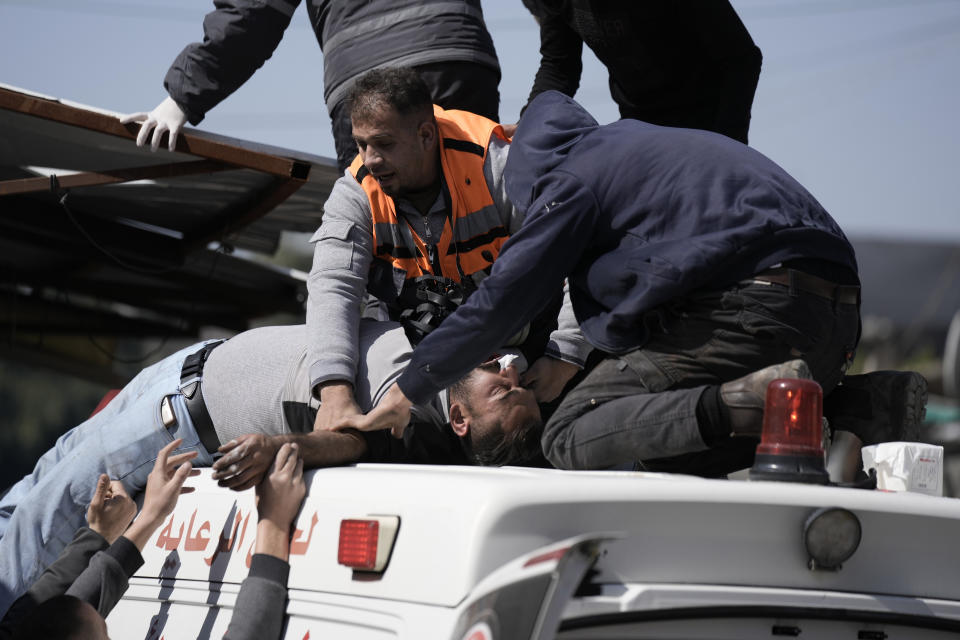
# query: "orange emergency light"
791,445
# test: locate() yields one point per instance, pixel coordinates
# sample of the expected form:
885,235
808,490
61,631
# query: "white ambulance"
532,553
465,553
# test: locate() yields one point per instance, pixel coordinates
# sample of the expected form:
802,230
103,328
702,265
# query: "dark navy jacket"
635,215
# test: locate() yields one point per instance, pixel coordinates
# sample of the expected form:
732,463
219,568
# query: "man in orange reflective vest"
416,221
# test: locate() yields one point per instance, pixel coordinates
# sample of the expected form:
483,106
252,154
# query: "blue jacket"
635,215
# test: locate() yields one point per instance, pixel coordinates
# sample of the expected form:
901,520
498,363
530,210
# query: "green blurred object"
942,411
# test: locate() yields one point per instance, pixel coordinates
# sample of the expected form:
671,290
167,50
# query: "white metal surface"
686,543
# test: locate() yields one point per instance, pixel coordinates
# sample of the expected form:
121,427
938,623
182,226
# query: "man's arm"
567,350
107,576
57,577
566,354
102,579
105,580
238,37
733,60
109,513
343,250
561,57
260,604
246,459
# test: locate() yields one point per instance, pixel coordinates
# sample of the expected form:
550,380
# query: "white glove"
168,116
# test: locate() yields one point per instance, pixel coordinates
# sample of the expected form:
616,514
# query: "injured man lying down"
254,397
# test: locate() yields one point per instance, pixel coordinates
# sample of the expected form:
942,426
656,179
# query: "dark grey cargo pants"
639,409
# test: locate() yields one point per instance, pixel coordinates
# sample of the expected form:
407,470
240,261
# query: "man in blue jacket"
699,267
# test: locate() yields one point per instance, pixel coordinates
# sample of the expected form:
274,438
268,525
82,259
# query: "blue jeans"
40,514
640,409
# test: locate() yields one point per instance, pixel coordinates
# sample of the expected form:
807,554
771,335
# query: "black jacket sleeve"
238,37
261,604
561,56
107,576
732,63
57,578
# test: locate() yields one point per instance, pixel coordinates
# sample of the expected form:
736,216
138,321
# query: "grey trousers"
639,409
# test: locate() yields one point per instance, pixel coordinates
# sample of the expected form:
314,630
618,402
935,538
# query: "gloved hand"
168,116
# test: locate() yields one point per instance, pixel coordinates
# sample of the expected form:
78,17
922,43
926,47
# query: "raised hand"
111,510
164,487
281,492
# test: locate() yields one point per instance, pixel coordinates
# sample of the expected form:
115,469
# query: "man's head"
64,618
498,421
395,131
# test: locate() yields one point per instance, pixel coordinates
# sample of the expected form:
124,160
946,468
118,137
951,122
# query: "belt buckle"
167,416
189,387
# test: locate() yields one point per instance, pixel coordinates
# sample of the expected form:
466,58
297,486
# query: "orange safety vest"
464,138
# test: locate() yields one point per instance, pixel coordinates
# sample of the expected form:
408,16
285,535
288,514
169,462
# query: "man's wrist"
104,532
273,539
139,532
150,519
336,391
127,554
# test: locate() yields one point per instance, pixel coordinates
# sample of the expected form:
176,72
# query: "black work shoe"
882,406
744,397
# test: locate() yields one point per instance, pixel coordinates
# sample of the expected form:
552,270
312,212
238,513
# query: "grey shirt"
256,382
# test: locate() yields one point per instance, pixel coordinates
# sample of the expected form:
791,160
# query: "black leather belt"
842,293
190,378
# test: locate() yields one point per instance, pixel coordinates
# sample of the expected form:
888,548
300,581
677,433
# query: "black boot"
882,406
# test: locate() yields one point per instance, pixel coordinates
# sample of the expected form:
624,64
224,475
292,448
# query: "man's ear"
427,134
459,420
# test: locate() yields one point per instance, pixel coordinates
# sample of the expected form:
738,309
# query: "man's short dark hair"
492,446
460,390
400,88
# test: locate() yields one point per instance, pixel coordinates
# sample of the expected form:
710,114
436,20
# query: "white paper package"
906,466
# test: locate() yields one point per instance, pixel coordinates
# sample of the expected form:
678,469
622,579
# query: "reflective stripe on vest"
477,232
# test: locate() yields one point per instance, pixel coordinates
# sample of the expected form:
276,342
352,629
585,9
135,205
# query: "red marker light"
556,554
365,543
358,544
791,446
